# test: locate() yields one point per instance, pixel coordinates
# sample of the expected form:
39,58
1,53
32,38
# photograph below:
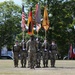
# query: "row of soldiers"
34,49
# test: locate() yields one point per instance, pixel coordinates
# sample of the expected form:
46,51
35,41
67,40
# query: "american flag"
23,19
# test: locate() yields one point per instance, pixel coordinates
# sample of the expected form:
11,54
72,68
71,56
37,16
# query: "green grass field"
63,67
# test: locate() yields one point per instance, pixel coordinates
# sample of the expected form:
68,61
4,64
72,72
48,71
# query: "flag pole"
45,38
23,39
45,34
37,34
23,34
37,38
23,25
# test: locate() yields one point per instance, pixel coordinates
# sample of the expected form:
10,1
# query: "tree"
10,21
61,21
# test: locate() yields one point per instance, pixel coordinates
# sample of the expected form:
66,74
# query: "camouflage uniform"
31,47
16,51
38,54
45,47
23,54
53,49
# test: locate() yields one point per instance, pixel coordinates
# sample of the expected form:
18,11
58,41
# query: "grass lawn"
63,67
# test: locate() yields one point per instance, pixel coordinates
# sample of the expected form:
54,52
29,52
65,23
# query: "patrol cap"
16,40
32,36
53,40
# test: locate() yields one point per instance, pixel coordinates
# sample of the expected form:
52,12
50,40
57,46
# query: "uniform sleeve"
21,45
27,45
43,45
50,48
36,45
40,45
56,47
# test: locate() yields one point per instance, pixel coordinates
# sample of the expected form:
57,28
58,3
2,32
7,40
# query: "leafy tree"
10,21
61,20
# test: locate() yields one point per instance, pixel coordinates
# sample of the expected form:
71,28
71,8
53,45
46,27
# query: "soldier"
53,49
16,51
38,53
32,46
45,47
23,54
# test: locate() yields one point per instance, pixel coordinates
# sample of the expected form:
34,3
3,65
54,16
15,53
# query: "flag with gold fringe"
45,23
38,17
30,23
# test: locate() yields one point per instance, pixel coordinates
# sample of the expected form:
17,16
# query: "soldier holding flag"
38,53
23,54
45,47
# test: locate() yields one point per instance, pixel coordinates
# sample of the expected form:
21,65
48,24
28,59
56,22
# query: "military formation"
34,51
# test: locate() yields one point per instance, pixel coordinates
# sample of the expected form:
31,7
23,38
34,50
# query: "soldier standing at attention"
45,47
23,54
38,53
32,46
53,49
16,51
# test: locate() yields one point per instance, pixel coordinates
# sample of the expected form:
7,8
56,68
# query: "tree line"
61,18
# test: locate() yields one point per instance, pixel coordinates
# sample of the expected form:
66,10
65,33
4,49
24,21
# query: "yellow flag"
45,23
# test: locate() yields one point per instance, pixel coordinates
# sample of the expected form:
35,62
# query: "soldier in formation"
45,49
16,52
23,54
38,53
32,47
53,52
